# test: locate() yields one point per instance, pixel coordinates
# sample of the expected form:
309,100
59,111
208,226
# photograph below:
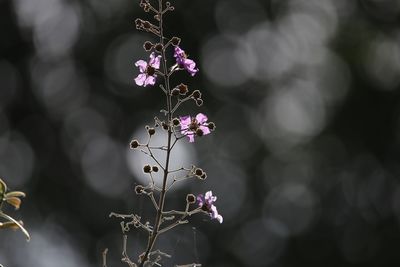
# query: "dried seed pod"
139,189
155,169
183,89
147,168
190,198
175,122
198,172
159,47
196,94
134,144
151,131
175,41
211,126
148,46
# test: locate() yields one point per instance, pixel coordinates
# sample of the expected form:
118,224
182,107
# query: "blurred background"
305,159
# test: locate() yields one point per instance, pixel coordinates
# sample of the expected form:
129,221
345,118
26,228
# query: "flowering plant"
186,127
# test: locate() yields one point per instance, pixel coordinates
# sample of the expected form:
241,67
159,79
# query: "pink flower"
184,62
206,203
147,74
194,126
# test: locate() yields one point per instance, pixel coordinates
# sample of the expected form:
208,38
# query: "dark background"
304,161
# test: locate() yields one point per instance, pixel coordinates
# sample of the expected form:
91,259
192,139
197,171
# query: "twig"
105,257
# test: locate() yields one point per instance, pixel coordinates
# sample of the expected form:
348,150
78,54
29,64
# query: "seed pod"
175,122
151,131
211,126
183,89
147,168
159,47
196,94
198,172
155,169
134,144
147,46
175,41
199,102
139,189
164,125
190,198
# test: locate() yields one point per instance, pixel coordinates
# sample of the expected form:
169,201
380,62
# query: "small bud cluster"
148,169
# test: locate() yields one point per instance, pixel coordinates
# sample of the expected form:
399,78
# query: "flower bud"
155,169
159,47
147,46
134,144
199,132
183,89
147,168
139,189
164,125
198,172
196,94
175,41
190,198
211,126
151,131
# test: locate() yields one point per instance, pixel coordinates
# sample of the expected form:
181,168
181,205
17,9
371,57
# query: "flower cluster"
183,62
206,203
192,127
147,74
177,128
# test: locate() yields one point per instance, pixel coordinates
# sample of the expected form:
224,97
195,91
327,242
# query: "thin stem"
125,257
155,233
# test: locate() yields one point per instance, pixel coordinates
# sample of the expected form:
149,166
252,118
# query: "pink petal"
219,218
178,52
185,122
149,81
201,118
191,137
155,61
209,196
142,65
205,130
140,79
200,200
